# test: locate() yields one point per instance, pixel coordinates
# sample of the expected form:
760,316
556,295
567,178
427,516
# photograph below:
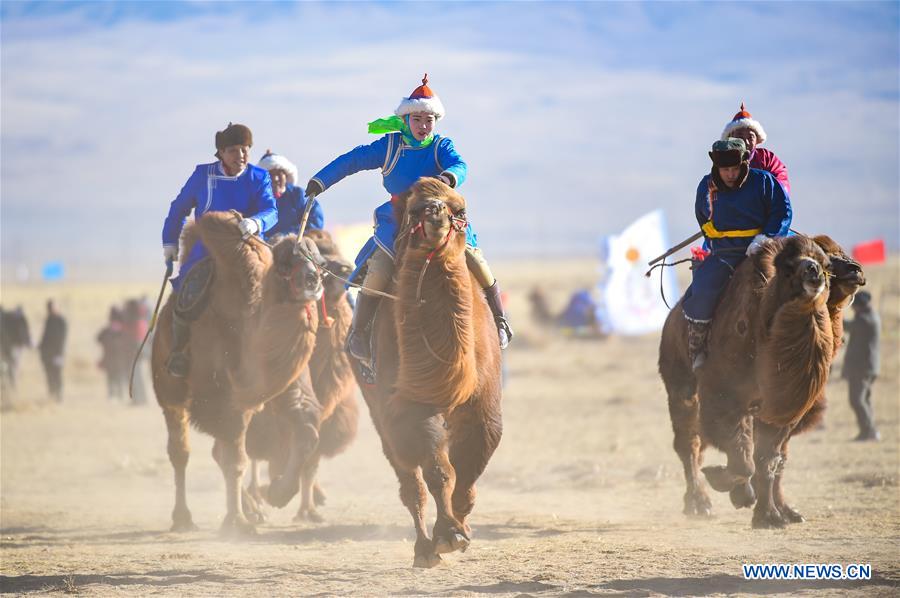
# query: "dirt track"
582,498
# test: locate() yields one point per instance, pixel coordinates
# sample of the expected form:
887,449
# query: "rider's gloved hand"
170,253
759,241
445,179
313,188
248,227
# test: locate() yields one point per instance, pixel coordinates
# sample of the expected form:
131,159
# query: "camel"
250,343
771,346
328,400
435,400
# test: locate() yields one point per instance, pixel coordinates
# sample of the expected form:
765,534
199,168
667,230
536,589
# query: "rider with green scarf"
408,151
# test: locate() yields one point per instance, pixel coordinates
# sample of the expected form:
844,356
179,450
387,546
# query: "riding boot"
359,339
697,333
492,294
179,363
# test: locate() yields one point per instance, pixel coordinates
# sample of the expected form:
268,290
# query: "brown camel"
435,401
771,347
328,402
250,343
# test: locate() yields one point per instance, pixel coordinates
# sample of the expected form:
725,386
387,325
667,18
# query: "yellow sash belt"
712,232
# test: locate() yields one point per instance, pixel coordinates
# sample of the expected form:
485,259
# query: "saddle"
194,293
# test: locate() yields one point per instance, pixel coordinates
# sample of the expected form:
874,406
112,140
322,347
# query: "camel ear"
789,252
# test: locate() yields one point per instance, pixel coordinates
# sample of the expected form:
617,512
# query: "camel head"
298,265
433,218
846,274
802,269
334,262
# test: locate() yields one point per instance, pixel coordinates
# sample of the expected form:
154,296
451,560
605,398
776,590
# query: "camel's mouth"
813,276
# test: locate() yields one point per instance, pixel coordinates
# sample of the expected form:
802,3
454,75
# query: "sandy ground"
582,498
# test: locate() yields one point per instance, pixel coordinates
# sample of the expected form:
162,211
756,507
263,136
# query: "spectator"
115,359
861,363
52,348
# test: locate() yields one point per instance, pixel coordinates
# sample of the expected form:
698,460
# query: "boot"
492,294
359,339
179,363
697,333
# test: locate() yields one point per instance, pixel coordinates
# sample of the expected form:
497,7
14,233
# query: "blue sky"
575,118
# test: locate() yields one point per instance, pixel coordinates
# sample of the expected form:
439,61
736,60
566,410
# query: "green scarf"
396,124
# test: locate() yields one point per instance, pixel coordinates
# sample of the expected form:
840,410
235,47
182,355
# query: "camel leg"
231,455
414,497
789,514
418,439
731,430
307,509
684,411
302,412
319,495
251,497
475,432
769,441
179,451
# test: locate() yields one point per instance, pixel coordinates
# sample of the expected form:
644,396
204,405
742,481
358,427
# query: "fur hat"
743,120
862,300
422,99
272,161
233,135
729,152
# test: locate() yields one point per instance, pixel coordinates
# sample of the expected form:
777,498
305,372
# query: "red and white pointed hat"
422,99
743,120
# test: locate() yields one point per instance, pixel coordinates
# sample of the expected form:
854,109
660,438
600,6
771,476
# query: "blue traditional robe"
730,219
401,166
209,189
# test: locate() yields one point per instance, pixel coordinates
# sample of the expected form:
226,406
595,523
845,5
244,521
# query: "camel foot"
742,496
237,526
790,515
768,519
697,504
182,521
281,491
252,508
450,543
319,496
720,479
426,561
309,515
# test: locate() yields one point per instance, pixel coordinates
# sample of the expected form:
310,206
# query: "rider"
409,150
738,209
744,127
289,198
229,184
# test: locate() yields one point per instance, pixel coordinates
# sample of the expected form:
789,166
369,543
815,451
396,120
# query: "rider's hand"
445,179
248,227
759,241
170,253
313,188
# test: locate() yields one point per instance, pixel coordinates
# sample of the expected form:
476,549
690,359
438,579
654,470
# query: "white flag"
630,302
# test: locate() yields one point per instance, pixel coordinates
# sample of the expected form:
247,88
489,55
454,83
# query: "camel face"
433,212
304,278
334,287
803,267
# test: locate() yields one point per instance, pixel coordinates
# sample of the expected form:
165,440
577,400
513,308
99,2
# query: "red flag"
869,252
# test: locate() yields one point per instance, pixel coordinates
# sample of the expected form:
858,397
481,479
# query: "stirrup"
359,348
504,331
178,365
